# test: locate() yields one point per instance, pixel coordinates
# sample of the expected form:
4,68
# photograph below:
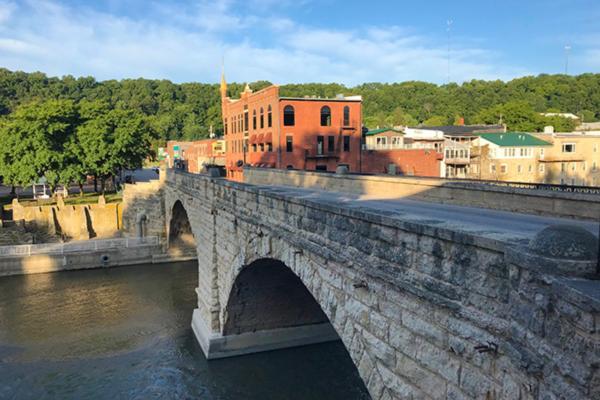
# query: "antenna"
448,28
567,51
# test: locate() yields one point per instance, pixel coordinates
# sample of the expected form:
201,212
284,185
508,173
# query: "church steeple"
223,85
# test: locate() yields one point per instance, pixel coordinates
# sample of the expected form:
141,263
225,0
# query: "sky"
298,41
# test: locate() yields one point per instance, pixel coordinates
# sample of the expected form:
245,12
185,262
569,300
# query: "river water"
124,333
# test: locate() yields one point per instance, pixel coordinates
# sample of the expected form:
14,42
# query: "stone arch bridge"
424,310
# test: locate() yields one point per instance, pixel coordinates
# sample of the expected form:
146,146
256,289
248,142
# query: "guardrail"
523,185
78,246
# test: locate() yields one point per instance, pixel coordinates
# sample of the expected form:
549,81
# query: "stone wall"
424,312
541,202
77,222
143,203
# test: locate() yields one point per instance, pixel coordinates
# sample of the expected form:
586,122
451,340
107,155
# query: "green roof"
381,130
514,139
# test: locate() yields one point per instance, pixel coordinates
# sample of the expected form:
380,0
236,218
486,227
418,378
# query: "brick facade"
321,134
417,162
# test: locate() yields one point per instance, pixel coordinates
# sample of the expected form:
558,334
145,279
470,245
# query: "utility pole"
448,28
567,51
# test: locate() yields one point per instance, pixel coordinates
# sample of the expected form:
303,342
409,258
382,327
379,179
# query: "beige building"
509,156
555,158
573,159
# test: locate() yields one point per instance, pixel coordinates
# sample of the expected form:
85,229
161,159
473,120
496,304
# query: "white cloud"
186,44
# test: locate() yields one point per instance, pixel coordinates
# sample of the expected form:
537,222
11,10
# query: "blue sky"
287,41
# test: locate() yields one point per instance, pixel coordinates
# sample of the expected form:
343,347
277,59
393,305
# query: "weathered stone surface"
565,242
425,312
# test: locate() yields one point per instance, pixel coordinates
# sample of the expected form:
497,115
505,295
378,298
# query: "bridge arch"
279,288
181,238
267,295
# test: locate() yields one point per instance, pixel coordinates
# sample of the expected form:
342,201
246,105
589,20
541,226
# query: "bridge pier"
216,345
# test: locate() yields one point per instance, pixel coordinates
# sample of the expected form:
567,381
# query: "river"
124,333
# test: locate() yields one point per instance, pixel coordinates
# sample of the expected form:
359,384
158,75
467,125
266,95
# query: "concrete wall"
410,302
569,205
77,222
42,263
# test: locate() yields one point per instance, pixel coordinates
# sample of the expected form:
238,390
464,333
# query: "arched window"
262,118
254,119
269,117
346,116
288,116
325,116
225,126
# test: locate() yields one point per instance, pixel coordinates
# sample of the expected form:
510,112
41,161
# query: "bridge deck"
504,226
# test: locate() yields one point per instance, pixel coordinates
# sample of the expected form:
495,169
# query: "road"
498,225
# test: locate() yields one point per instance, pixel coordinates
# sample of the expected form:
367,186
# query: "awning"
268,137
252,139
260,138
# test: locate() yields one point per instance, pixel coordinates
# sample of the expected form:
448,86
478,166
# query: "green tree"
436,120
517,115
33,141
112,141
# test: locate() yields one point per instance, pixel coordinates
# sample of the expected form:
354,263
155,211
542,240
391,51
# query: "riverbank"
89,254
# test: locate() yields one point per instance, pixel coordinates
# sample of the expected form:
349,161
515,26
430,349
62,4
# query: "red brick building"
414,162
193,156
266,130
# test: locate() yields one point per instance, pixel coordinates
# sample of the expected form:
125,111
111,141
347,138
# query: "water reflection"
124,333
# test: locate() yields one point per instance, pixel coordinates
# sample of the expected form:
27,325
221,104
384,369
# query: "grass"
73,199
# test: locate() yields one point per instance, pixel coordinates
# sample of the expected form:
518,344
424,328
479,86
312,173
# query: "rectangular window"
269,146
331,144
493,168
563,167
321,168
568,148
542,167
245,118
503,169
541,153
346,143
254,148
519,168
262,147
530,168
289,144
320,145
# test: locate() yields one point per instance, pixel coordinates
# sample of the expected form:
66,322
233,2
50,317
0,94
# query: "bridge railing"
77,246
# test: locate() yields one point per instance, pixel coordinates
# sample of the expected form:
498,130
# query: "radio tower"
567,51
448,28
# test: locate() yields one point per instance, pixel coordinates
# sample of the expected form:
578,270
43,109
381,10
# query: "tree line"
65,128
